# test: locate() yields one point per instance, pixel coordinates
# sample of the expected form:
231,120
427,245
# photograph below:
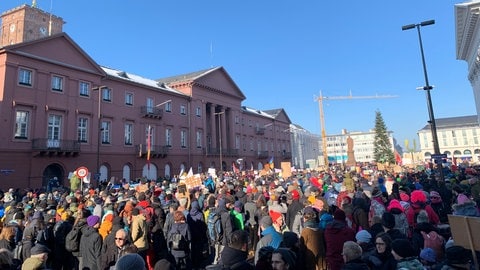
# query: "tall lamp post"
427,88
220,137
99,118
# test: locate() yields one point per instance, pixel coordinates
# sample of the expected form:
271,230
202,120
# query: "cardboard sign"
193,181
286,169
465,231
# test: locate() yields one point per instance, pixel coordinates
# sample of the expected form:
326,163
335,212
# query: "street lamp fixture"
220,137
99,131
427,88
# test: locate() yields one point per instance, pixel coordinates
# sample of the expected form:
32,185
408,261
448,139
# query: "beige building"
458,137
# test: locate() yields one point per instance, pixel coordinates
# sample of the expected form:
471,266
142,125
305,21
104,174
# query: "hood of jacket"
466,209
231,256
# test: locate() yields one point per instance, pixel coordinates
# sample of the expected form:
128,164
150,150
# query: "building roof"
257,112
454,122
188,76
123,75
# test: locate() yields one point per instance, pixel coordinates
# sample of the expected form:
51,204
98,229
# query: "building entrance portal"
51,171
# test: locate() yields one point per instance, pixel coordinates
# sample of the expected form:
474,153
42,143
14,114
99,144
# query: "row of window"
454,138
55,126
25,77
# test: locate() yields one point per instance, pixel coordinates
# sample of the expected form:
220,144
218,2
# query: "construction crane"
320,99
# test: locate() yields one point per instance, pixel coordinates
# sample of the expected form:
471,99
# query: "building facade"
458,138
306,148
467,39
363,146
60,110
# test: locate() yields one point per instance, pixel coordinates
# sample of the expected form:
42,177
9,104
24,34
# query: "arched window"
457,153
448,153
182,168
428,154
200,167
476,151
467,152
126,172
167,171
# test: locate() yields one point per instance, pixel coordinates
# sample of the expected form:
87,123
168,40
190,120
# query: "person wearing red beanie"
277,219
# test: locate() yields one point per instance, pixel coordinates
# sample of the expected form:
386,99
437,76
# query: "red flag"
235,169
398,158
149,147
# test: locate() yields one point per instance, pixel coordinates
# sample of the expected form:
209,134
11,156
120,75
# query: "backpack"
214,225
72,240
178,241
434,241
376,209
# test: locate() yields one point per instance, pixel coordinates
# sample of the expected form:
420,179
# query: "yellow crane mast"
320,99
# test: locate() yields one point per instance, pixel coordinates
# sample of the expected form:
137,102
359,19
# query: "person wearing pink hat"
419,202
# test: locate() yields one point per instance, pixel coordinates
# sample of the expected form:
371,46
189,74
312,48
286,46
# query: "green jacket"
238,220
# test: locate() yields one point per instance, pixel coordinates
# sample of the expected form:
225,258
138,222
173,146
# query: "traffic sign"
439,156
82,172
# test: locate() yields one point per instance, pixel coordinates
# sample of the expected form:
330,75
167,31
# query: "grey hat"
266,221
130,261
39,249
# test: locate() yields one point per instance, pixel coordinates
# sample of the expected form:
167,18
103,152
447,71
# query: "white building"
306,148
467,38
458,137
363,147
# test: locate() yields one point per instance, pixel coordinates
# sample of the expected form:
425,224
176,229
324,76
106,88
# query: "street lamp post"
99,132
220,137
427,88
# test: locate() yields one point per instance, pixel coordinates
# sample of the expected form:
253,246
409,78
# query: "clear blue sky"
283,53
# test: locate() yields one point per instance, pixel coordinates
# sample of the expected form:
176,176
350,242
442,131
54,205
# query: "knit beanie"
339,215
435,197
403,248
418,196
388,220
92,220
363,236
404,197
428,254
266,221
130,261
394,204
422,217
275,215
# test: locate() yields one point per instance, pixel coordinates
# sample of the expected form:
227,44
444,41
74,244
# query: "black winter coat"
91,248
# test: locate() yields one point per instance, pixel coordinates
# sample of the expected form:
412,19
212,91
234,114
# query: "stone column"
213,129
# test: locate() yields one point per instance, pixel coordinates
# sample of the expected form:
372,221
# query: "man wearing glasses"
123,246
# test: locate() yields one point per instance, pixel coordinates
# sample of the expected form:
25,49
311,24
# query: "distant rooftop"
455,122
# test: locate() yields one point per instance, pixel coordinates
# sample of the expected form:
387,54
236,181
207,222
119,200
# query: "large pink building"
60,110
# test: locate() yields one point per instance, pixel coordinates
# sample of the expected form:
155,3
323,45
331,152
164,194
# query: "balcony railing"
259,130
262,154
210,151
156,151
56,146
151,112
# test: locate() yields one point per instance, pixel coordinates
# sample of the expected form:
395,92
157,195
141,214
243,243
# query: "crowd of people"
310,220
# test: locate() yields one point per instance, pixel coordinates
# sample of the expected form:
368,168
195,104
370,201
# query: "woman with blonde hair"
7,238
